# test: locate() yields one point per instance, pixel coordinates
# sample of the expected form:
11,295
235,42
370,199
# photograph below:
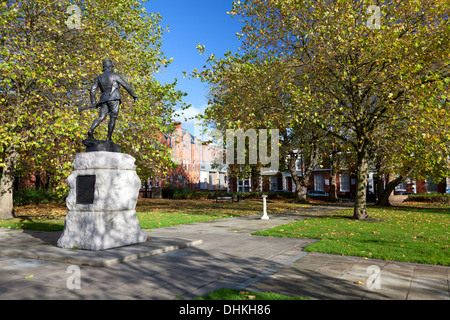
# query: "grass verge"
407,234
152,213
235,294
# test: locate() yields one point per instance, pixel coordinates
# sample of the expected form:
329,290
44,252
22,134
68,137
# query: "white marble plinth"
265,216
101,230
110,220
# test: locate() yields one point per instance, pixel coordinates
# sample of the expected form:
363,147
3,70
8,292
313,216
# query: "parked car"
447,190
317,193
369,195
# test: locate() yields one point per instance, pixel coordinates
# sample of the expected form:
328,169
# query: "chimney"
177,125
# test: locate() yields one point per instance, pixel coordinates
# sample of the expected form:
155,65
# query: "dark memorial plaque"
85,189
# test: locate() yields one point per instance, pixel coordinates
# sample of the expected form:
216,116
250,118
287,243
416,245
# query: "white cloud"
187,119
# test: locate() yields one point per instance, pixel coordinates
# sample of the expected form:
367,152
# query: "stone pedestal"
104,189
93,145
265,216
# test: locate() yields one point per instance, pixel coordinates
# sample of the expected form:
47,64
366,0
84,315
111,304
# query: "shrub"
281,195
167,192
179,193
37,196
430,198
182,194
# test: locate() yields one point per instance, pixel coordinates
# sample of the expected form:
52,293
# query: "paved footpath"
188,261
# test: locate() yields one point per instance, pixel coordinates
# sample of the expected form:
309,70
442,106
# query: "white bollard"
265,216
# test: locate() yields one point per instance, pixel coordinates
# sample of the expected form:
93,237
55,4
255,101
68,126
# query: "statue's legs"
113,114
111,125
102,115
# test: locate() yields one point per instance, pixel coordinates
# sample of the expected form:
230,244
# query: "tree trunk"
302,182
300,189
255,178
383,197
7,185
362,178
381,184
333,183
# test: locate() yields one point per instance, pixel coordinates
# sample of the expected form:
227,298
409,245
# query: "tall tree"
413,148
50,53
248,92
352,76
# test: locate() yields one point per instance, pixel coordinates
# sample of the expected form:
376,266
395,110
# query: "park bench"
225,198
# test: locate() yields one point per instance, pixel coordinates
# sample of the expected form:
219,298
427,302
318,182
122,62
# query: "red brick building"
320,180
194,161
195,170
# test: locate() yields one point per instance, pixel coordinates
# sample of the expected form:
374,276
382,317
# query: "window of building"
274,184
344,179
244,185
432,187
401,187
297,165
318,182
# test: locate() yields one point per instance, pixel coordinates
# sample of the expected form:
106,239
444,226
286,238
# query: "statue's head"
108,65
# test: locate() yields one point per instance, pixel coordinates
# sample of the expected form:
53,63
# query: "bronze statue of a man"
110,100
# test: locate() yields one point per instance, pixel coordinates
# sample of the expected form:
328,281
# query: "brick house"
195,170
320,179
421,186
194,159
282,181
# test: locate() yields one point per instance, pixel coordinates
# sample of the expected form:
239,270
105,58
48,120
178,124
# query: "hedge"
37,196
174,193
443,198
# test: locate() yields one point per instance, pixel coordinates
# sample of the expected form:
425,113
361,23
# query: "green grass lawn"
44,217
407,234
152,213
234,294
156,213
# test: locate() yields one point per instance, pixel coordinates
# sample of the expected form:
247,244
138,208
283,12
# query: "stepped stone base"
101,230
104,189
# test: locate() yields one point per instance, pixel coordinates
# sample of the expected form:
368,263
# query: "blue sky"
194,22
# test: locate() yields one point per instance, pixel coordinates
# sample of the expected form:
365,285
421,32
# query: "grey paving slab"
315,276
30,247
219,254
